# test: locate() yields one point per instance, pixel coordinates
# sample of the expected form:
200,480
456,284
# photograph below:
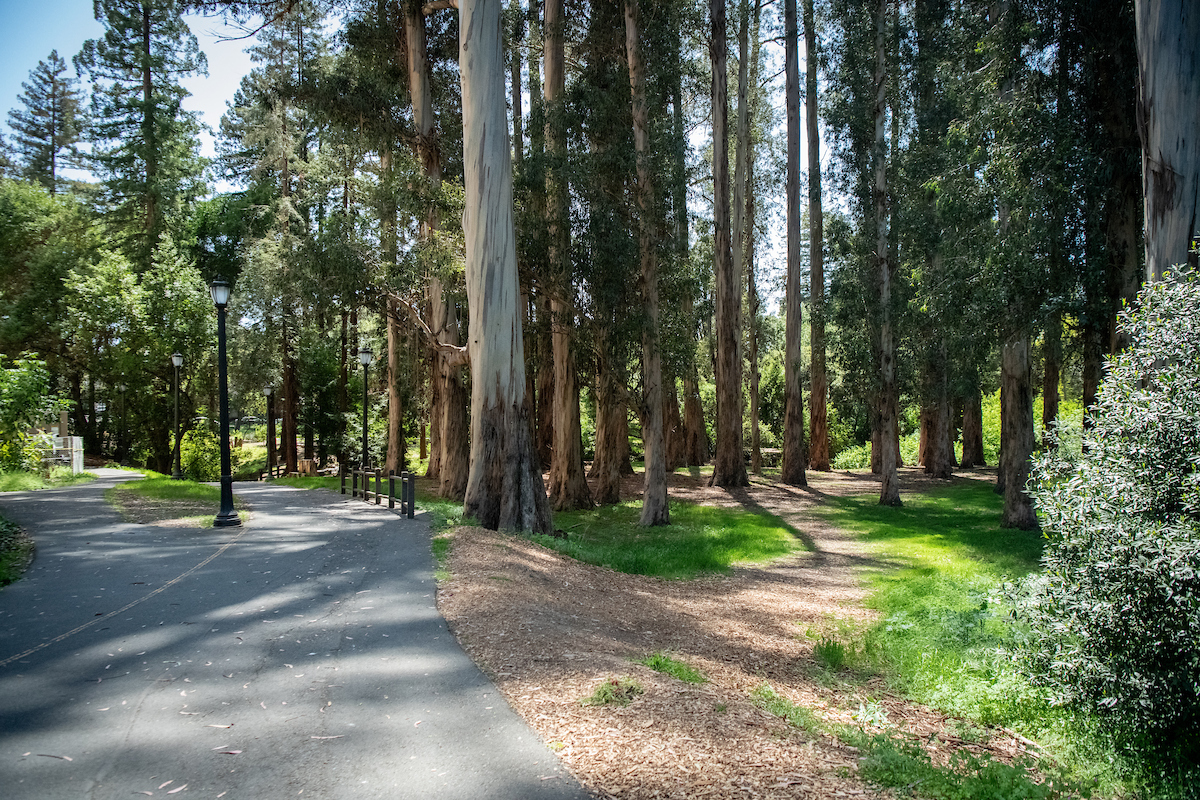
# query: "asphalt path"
301,655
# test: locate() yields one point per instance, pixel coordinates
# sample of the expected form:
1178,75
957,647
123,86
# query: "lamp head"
177,359
365,356
267,391
220,292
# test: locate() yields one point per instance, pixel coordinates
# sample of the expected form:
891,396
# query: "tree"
568,483
504,488
144,145
818,449
655,510
729,468
792,472
48,125
1168,35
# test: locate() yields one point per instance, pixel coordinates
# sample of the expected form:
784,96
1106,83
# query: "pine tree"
48,125
144,145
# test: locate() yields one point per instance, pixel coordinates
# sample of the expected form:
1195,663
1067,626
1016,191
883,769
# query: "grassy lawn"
29,481
157,498
700,539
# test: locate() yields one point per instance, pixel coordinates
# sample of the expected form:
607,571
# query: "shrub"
1116,615
200,455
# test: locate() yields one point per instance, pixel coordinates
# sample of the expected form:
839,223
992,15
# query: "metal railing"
360,485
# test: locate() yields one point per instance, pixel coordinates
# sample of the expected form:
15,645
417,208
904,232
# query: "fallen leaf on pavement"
50,755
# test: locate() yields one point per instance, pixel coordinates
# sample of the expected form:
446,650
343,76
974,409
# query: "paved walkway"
299,656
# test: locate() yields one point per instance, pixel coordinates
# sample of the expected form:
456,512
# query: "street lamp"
365,357
122,388
269,392
177,360
226,517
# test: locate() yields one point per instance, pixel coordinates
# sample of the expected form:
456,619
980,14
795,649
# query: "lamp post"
269,392
177,360
365,357
226,517
122,388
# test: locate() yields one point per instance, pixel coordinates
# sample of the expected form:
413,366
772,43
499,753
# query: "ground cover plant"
700,539
157,498
24,481
666,664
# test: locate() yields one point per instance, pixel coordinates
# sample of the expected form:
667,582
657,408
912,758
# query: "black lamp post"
226,517
122,388
269,392
365,356
177,360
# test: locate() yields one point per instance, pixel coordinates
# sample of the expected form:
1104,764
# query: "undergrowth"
892,760
664,663
699,540
614,691
21,481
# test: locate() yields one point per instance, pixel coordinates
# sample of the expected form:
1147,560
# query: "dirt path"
549,630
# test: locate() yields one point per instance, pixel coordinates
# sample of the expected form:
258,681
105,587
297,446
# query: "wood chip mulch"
548,630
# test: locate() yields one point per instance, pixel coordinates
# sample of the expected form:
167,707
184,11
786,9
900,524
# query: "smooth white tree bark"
504,487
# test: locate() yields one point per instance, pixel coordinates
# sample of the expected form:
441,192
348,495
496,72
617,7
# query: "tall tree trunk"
1016,419
544,396
504,488
889,493
749,242
514,81
729,468
818,448
695,431
291,396
395,353
676,441
792,471
972,431
655,510
939,434
568,485
612,432
1168,44
1051,374
343,388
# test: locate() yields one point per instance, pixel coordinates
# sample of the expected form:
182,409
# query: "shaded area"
302,652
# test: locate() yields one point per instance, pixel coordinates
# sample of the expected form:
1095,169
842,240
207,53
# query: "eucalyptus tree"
729,469
1168,45
504,489
792,468
47,126
144,145
818,427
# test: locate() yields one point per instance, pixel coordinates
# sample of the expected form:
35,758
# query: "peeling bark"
504,489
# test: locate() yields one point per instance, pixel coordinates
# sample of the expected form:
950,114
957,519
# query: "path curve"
300,655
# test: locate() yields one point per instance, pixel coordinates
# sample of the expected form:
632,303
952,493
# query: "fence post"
412,495
354,483
403,492
342,475
392,488
377,474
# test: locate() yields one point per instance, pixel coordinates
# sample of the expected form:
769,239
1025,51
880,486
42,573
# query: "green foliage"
831,653
24,400
1116,615
700,539
614,692
664,663
200,455
22,481
16,551
892,760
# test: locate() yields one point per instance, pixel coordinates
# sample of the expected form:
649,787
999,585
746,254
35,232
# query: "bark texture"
655,510
818,447
1016,420
729,468
792,468
972,431
1168,45
504,488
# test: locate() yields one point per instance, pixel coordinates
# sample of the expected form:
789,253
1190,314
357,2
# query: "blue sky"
29,30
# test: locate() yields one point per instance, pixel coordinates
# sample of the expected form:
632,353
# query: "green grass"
889,759
179,499
699,540
615,691
20,481
331,482
664,663
944,628
16,551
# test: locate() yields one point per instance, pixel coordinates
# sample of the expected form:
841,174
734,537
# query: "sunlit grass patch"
664,663
158,498
614,691
21,481
700,539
